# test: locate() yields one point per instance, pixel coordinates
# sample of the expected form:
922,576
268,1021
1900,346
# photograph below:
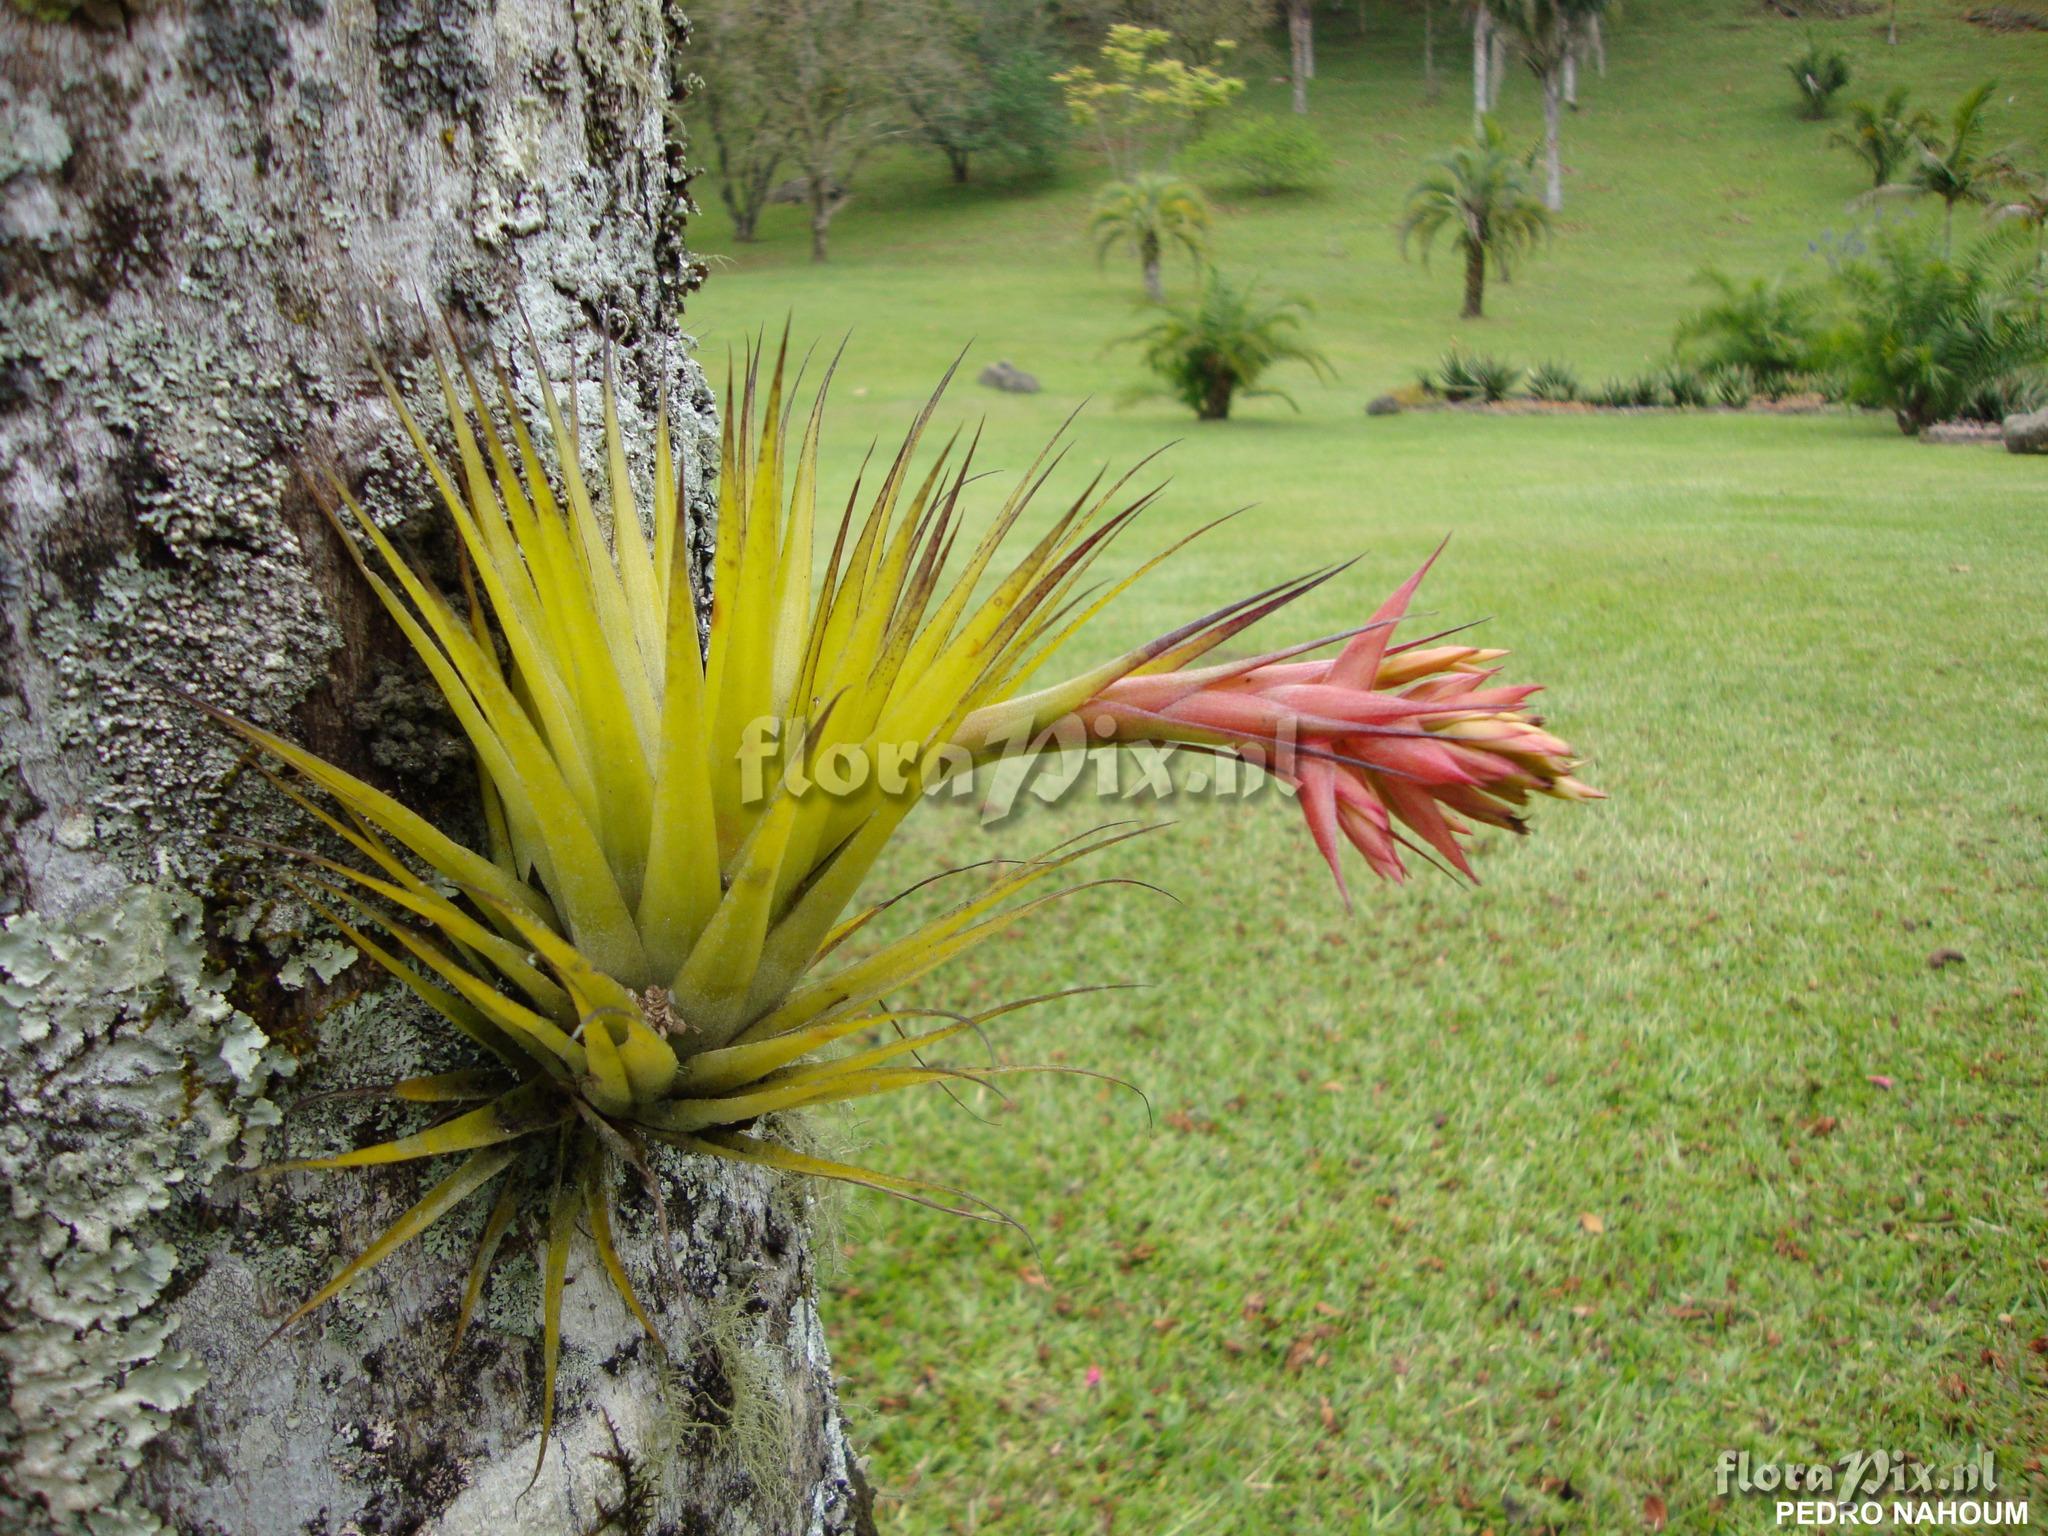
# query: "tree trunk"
1596,40
1571,75
1475,285
1891,31
1482,56
1553,161
1430,87
821,221
1301,56
956,161
205,208
1155,284
1216,394
1496,64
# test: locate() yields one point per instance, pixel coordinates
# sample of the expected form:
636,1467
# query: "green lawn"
1502,1209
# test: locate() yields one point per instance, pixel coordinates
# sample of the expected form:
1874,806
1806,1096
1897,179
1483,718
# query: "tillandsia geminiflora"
648,952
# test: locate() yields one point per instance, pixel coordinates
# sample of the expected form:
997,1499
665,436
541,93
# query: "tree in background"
1483,72
1200,32
807,83
1885,135
1219,346
1143,103
1301,50
1549,35
1962,168
1148,212
977,81
1479,192
748,143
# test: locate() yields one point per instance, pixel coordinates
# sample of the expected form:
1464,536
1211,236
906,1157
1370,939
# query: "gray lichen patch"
128,1080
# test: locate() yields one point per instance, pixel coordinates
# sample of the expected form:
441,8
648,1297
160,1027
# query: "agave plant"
1555,382
652,947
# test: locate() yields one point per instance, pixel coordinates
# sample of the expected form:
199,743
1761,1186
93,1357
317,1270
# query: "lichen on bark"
116,1036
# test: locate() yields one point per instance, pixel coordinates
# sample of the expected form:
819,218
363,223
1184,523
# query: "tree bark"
1475,284
1301,57
1482,56
1496,64
1553,155
824,204
208,211
1429,79
1216,396
1571,75
1891,31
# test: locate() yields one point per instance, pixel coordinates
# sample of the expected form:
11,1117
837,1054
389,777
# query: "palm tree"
1146,213
1480,193
2027,204
1819,72
1962,169
1548,34
1930,338
1885,135
1221,345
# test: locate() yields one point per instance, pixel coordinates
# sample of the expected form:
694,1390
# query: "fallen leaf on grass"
1589,1222
1655,1514
1942,959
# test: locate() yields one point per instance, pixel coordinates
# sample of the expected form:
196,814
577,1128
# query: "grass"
1503,1209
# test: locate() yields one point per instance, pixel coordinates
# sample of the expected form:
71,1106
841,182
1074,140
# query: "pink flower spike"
1420,734
1094,1377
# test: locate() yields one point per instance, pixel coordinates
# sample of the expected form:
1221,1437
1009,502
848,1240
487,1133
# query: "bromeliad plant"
650,951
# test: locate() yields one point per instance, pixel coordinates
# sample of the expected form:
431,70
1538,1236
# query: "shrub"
1207,352
1929,338
1647,389
2026,390
1643,390
1462,376
1819,72
1264,155
1497,379
1554,382
1683,386
1767,326
1733,387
